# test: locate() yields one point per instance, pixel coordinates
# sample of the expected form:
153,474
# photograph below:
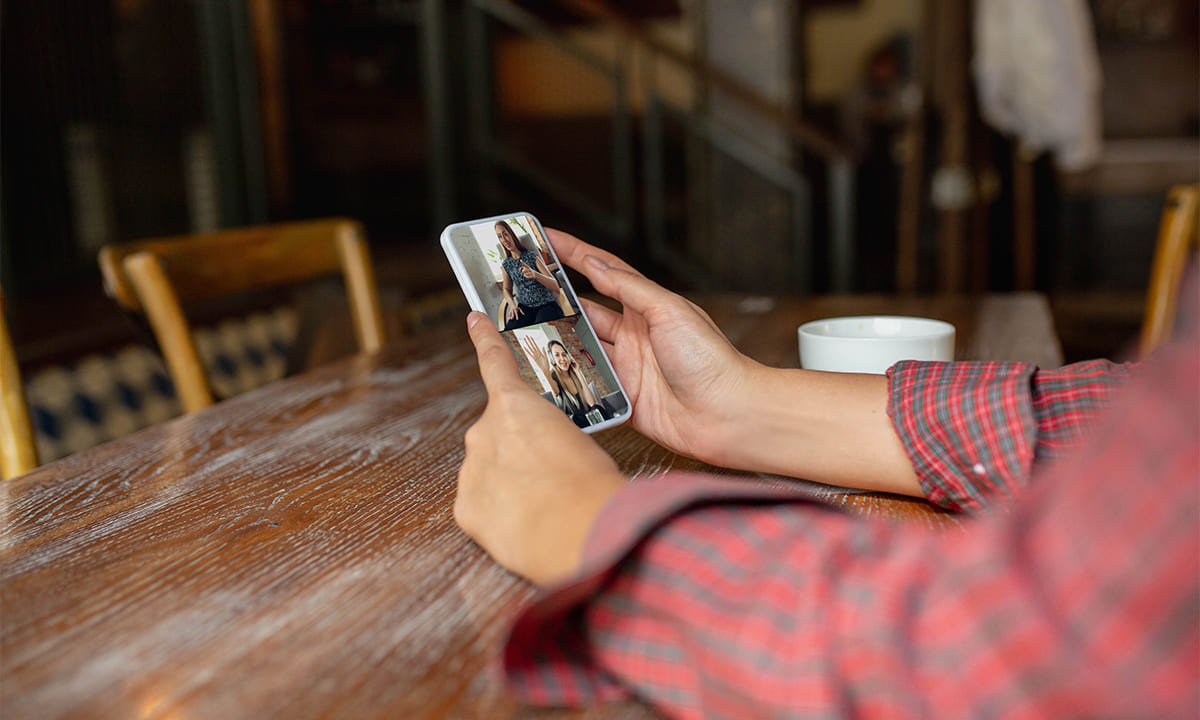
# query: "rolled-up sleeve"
974,430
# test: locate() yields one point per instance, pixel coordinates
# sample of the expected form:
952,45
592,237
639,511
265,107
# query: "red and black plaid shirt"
1080,598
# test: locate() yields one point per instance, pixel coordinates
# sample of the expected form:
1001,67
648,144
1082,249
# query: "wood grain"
291,552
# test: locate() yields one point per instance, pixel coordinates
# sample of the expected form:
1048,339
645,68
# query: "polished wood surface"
292,553
159,277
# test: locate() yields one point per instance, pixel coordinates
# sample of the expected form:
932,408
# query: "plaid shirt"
1080,598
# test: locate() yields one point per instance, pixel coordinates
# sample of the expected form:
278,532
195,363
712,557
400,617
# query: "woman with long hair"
571,393
529,287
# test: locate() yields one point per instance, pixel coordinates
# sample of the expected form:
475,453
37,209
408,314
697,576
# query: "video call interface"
525,292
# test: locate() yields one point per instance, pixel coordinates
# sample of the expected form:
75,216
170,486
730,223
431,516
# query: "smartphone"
509,272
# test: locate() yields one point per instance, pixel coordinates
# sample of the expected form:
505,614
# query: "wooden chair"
18,454
153,277
1177,238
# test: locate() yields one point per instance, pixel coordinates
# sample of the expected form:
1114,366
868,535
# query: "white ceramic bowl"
872,343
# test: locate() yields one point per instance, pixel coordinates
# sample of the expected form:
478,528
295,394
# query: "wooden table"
291,552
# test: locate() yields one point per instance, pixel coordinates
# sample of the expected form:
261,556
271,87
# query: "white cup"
872,343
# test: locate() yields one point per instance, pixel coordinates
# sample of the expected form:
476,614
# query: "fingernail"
472,319
596,262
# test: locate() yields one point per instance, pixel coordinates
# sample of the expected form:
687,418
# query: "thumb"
497,365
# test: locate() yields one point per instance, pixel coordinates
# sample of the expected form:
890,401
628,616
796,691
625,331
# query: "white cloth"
1038,76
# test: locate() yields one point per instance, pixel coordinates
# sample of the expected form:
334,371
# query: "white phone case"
468,238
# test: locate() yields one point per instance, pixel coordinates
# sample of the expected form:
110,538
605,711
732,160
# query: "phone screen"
508,271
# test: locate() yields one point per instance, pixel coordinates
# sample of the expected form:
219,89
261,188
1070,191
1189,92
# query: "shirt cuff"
547,660
969,428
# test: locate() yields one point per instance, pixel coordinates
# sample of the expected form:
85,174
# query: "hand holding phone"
499,264
695,393
530,485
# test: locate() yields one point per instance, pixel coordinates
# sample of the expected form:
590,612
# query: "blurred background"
751,146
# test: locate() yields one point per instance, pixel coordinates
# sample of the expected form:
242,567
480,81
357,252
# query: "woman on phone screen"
529,287
571,394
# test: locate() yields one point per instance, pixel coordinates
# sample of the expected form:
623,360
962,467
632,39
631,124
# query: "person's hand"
693,392
531,483
513,311
538,355
683,376
528,272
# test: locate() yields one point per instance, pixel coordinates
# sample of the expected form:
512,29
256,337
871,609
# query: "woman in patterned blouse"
529,286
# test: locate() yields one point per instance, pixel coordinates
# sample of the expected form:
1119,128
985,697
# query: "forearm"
763,609
779,630
964,435
828,427
543,275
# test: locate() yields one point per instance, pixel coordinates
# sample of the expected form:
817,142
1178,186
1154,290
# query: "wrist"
722,433
574,526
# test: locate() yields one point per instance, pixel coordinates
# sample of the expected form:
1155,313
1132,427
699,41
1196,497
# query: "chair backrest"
1177,237
18,454
156,277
